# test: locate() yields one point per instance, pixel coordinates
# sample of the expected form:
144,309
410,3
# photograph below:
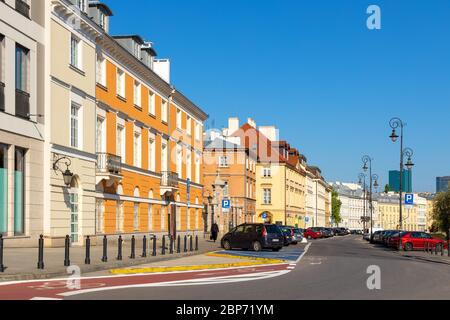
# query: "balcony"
109,168
22,104
169,183
23,8
2,96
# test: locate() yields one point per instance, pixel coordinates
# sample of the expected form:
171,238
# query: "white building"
355,205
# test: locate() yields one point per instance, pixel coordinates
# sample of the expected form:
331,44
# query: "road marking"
290,268
189,282
44,298
304,252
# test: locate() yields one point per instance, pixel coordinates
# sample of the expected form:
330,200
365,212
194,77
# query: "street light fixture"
67,174
373,178
362,181
396,123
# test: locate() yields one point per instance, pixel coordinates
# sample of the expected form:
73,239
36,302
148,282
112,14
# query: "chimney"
251,122
270,132
233,125
162,68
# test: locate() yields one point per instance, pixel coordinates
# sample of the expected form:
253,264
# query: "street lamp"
373,178
67,174
362,181
396,123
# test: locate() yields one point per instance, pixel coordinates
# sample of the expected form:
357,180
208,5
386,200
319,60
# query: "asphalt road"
331,269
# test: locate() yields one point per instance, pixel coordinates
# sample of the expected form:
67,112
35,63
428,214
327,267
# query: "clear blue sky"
314,70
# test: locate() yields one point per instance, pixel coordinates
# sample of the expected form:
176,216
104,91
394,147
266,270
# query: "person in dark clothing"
214,231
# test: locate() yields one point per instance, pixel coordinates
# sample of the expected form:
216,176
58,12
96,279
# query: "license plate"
275,240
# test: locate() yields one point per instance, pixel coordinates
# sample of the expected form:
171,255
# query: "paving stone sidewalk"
21,263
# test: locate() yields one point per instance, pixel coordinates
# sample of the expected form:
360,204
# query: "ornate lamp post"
362,181
373,178
396,123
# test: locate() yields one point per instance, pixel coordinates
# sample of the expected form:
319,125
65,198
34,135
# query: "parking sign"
226,204
409,199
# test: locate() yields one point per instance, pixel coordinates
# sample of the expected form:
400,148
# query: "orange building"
149,141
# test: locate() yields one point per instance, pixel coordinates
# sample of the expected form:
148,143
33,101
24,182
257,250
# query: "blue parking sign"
409,199
226,204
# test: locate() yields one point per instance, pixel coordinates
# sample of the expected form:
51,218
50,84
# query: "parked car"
255,236
340,231
298,234
416,240
313,233
376,237
386,235
288,233
327,232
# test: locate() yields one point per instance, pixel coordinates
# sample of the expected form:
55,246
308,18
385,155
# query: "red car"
312,233
416,240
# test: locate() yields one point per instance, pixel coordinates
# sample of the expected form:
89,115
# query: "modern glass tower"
442,184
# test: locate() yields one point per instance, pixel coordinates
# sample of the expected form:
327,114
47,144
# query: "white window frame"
101,69
188,125
179,160
79,125
197,167
164,110
120,133
137,149
136,216
81,4
189,164
151,154
120,83
267,196
179,117
102,132
137,93
151,102
76,52
197,131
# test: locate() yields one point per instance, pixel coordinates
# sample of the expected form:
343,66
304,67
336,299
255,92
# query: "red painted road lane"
52,288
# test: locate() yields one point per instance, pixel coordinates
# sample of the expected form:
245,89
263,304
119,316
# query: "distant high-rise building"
442,184
394,181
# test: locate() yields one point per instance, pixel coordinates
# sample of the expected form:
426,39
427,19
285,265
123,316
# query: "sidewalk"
428,257
21,264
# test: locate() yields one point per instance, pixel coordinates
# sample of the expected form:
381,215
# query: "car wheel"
227,245
408,246
257,246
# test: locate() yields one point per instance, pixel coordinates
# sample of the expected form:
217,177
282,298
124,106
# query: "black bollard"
87,260
119,253
435,249
40,263
196,243
154,246
185,243
144,247
191,248
66,252
133,248
171,244
163,249
2,266
105,249
441,247
178,244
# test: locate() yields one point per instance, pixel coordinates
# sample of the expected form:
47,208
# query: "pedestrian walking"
214,231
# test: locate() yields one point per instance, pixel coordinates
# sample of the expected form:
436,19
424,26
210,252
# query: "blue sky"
313,69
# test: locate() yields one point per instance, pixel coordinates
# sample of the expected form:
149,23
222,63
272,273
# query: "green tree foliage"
336,208
387,188
441,212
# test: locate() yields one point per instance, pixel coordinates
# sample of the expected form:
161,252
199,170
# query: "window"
188,165
102,19
21,68
137,94
164,156
3,188
74,125
150,217
151,155
19,191
82,5
101,135
151,103
120,145
136,217
188,125
137,149
101,70
197,167
223,161
119,217
197,131
121,83
179,160
178,119
267,172
75,52
267,196
164,110
73,200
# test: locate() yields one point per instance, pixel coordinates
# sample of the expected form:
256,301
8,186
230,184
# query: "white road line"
43,298
303,254
189,282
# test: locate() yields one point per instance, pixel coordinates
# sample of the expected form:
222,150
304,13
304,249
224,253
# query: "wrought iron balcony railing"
109,163
169,179
22,104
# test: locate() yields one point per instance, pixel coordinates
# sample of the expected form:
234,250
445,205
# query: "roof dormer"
99,13
132,43
148,54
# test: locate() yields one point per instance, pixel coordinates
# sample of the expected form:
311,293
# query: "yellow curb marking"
255,262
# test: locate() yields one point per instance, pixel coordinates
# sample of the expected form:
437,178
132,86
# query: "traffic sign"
264,216
226,205
306,219
409,199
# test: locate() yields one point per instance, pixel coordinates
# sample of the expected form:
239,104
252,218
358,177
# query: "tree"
387,188
441,212
336,207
